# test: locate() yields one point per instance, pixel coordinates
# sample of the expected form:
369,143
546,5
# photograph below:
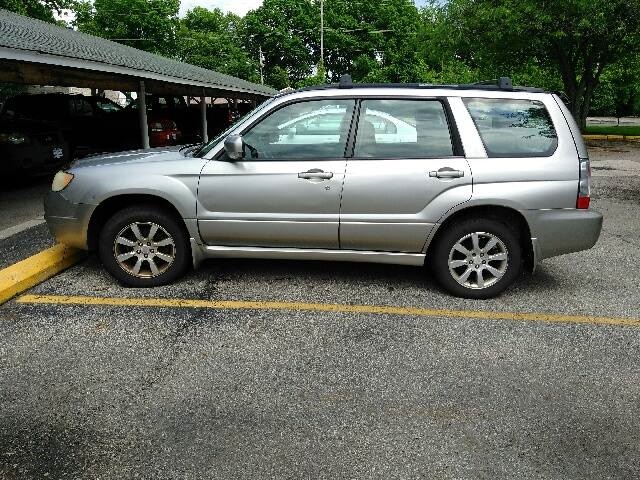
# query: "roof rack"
503,83
500,84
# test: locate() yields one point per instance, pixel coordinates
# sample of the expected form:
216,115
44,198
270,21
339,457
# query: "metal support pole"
203,117
142,115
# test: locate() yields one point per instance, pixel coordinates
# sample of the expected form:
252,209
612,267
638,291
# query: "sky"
239,7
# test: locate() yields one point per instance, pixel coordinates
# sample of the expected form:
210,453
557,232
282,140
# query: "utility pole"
261,65
322,32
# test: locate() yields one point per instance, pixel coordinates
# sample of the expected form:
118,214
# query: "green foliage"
619,91
630,130
278,77
372,40
588,48
212,39
149,25
319,78
579,39
284,30
40,9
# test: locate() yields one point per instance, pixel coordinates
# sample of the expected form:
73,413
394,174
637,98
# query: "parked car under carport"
32,148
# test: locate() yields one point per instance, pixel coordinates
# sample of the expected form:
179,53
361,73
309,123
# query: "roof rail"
503,83
500,84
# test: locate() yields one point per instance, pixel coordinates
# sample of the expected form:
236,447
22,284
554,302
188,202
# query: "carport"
33,52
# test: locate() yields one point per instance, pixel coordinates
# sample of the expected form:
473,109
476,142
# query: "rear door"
406,170
286,191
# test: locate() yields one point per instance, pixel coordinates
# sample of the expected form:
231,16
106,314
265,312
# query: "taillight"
584,187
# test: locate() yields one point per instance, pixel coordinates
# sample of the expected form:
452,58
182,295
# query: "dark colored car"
87,124
94,124
31,147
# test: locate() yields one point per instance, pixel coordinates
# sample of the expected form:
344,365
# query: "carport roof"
35,50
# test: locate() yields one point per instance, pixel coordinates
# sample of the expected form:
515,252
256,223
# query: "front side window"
513,128
402,129
305,130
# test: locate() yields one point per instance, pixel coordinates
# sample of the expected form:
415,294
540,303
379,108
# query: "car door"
285,192
405,172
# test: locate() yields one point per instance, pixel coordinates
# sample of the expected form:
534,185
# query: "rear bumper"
68,222
559,231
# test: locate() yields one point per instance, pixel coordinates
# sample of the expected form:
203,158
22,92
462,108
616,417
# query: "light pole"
261,59
322,32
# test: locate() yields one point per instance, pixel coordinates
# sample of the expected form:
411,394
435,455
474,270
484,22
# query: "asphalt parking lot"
276,384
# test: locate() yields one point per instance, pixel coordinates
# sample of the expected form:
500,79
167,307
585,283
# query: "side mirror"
234,147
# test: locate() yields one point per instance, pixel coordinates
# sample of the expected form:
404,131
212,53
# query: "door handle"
446,172
315,173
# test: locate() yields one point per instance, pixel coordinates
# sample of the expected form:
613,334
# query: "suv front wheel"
477,258
144,246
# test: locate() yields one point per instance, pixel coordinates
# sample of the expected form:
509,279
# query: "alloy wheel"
478,260
144,249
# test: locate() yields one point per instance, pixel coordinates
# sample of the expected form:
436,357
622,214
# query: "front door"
285,192
405,173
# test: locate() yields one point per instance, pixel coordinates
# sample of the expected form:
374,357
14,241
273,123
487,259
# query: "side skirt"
202,252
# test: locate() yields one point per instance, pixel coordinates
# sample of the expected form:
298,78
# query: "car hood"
161,154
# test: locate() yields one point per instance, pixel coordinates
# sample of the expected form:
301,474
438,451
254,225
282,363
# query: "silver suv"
475,181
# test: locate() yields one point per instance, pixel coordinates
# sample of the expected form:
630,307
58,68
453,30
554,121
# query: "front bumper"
559,231
68,222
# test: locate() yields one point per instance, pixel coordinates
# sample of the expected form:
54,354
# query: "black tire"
170,229
488,229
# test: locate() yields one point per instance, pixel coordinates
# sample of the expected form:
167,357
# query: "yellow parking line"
25,274
322,307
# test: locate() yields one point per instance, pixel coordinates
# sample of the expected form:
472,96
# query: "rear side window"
513,128
402,129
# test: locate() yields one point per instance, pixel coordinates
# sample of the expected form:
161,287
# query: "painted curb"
27,273
618,138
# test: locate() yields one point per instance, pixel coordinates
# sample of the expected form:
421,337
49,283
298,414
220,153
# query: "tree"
619,91
366,39
283,29
149,25
371,40
577,38
212,39
40,9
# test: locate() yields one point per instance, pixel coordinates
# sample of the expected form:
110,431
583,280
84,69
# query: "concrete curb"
27,273
617,138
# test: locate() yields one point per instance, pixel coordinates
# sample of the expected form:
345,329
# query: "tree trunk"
579,91
580,103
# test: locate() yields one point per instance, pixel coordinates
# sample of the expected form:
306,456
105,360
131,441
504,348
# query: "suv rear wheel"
144,246
477,258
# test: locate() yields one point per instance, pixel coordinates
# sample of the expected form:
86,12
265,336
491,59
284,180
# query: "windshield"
206,148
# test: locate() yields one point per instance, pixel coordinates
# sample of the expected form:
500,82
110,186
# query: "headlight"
13,138
61,181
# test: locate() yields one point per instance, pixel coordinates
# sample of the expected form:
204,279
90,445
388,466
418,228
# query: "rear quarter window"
513,128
